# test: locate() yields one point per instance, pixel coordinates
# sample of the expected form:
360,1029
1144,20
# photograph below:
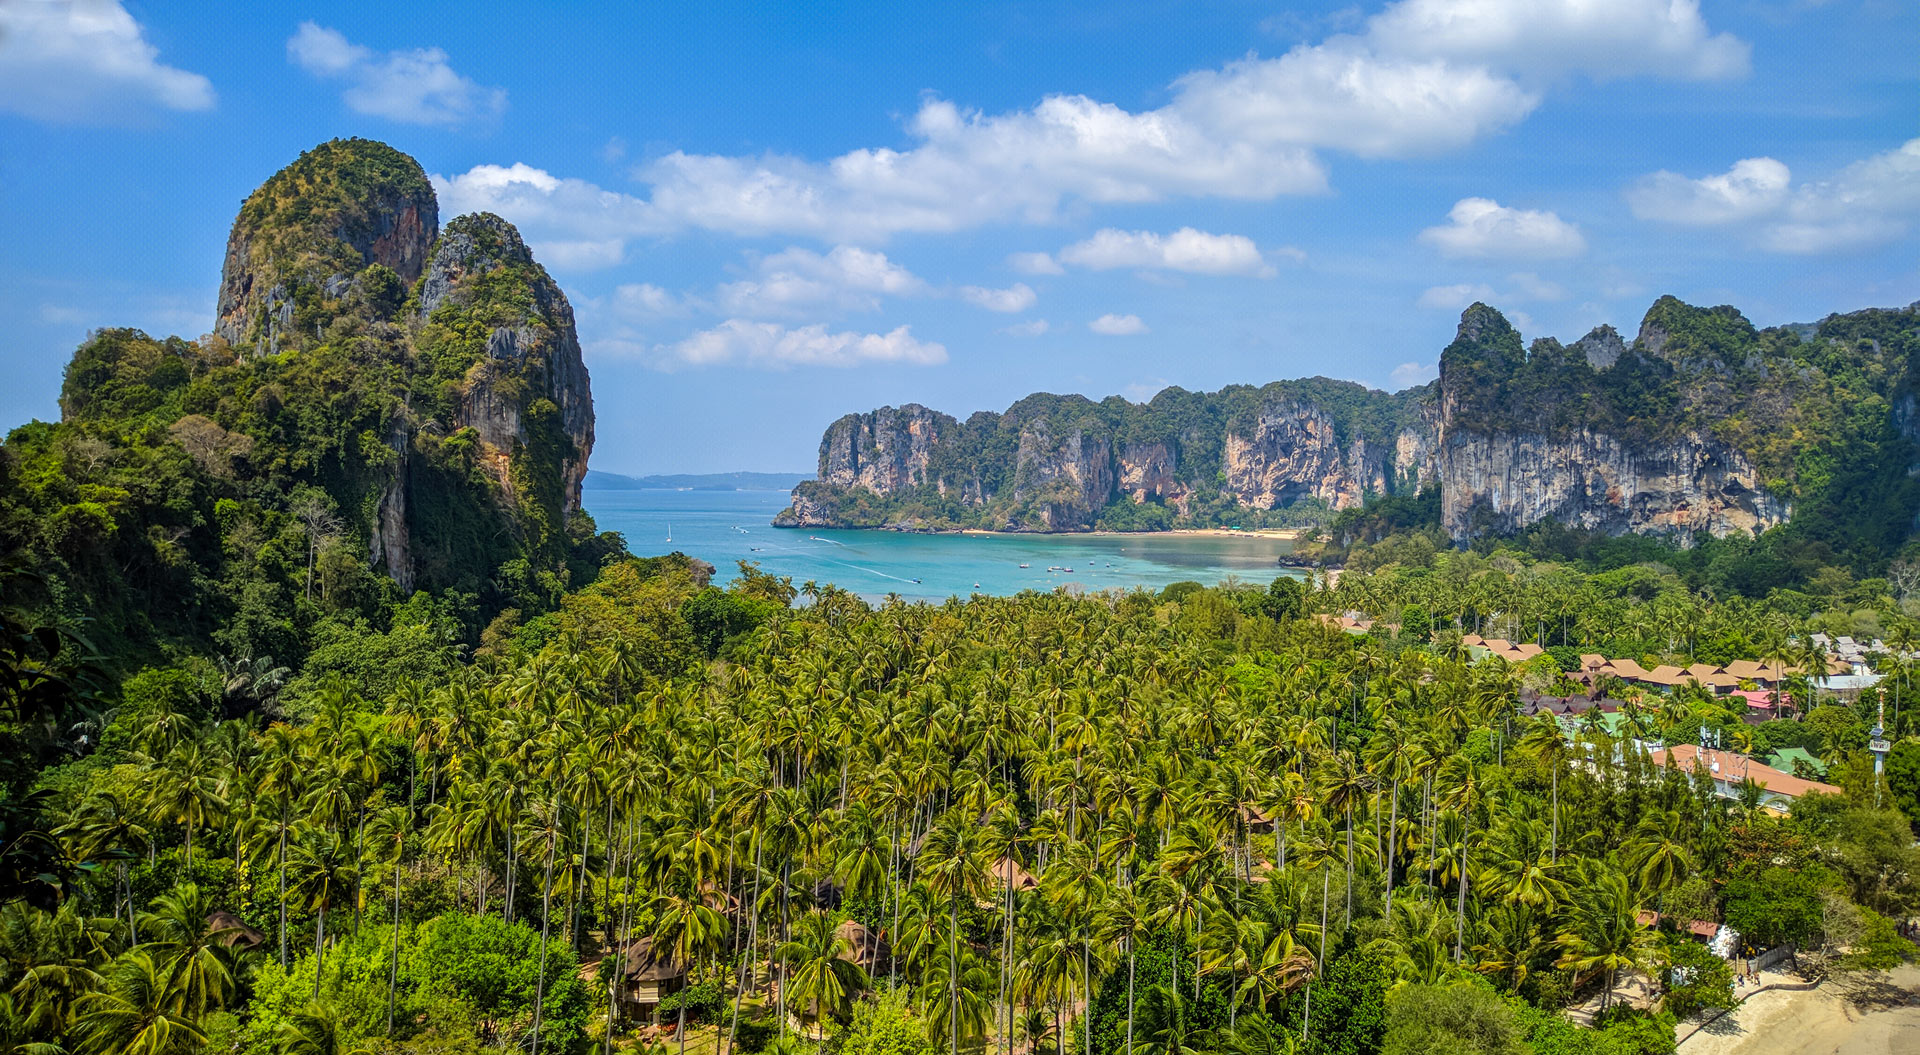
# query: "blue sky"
767,218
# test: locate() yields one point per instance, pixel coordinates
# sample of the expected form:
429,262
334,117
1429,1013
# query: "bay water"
725,527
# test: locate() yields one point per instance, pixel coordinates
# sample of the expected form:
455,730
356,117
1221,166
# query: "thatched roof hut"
230,930
651,971
1007,872
865,947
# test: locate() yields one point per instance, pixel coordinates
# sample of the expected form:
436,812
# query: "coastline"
1267,534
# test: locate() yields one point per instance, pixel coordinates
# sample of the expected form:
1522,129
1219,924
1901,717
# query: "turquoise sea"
723,527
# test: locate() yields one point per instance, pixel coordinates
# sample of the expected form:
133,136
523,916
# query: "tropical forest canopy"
257,796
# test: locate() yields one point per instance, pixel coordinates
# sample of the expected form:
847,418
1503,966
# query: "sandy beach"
1879,1015
1279,534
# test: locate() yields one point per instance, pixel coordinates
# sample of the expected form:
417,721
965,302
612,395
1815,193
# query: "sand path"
1879,1015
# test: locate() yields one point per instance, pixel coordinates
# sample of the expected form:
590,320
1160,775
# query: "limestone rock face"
886,451
300,247
1293,453
529,392
1069,478
1592,480
1702,423
1149,472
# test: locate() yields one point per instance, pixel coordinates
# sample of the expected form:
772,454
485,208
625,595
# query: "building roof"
229,929
1007,870
1665,674
1734,768
864,947
1784,759
1627,669
649,961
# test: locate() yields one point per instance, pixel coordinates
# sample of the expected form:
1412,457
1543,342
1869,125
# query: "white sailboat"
669,531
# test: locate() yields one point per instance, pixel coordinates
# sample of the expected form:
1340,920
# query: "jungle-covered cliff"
1700,423
383,408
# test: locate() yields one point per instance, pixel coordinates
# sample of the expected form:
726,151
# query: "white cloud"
1547,39
1017,297
1533,287
1870,202
552,213
772,346
1455,297
1525,286
414,86
1183,250
87,61
1421,78
1111,325
645,300
799,279
1031,328
1407,375
1482,227
1752,187
1035,264
1144,391
1343,96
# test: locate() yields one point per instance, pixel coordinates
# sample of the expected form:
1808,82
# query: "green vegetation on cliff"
252,498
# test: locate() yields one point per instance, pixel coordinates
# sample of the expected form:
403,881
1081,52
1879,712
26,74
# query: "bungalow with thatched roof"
651,973
1007,871
232,931
865,948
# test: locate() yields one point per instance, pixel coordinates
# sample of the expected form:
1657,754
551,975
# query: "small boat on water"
1026,565
916,580
669,531
976,586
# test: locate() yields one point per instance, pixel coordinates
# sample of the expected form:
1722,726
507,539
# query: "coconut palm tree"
325,876
955,869
820,973
1602,929
196,957
139,1013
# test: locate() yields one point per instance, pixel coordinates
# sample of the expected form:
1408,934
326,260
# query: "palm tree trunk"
1460,905
1554,846
1130,956
283,892
1393,830
1326,880
1349,866
546,906
393,963
953,972
319,949
746,958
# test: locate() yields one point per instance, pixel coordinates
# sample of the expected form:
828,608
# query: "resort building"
1730,771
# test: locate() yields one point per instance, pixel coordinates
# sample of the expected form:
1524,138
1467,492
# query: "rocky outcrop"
1067,478
1701,423
1293,452
300,248
1149,473
1590,480
476,421
481,271
886,451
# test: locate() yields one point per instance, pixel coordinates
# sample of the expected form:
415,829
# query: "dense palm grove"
1246,831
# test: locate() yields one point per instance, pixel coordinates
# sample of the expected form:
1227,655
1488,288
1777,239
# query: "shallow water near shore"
724,527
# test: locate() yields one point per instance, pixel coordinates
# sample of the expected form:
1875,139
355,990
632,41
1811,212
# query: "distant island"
599,481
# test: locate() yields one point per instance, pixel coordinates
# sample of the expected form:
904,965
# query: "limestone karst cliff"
1701,423
410,396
